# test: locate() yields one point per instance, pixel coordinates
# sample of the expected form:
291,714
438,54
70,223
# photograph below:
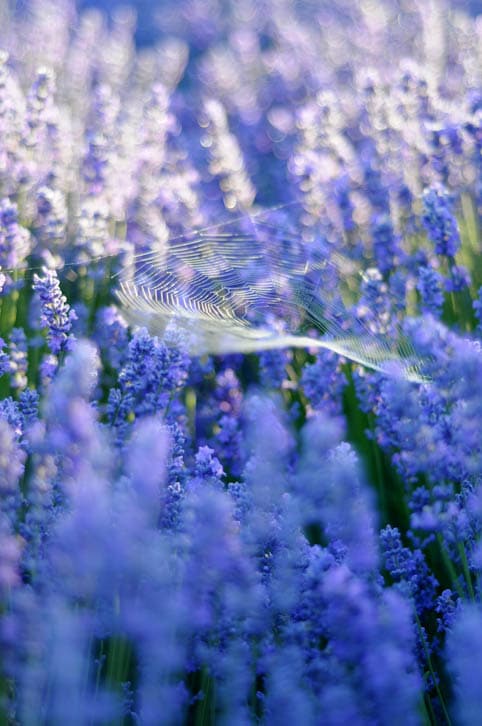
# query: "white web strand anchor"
252,289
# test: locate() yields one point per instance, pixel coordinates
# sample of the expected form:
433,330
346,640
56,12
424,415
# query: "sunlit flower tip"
56,314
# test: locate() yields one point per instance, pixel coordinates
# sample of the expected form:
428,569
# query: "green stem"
206,709
191,402
428,711
466,569
380,481
432,671
99,667
450,567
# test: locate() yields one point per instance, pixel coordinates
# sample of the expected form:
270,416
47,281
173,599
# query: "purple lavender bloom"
341,193
47,369
386,244
272,367
228,444
367,389
464,653
323,382
56,314
146,465
374,187
459,279
176,479
10,412
474,128
477,305
10,558
375,307
29,406
443,139
440,222
12,460
220,591
170,550
441,428
111,335
409,569
208,468
430,287
287,700
52,680
333,495
363,633
73,434
447,607
398,289
4,359
228,393
149,381
219,421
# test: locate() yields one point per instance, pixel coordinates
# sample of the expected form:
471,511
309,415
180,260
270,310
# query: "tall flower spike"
100,135
14,239
38,99
57,317
430,288
440,222
52,216
226,158
3,111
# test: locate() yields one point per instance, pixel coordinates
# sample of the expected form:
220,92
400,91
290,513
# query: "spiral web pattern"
257,286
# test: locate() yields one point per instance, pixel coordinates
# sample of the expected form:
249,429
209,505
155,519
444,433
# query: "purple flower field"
241,364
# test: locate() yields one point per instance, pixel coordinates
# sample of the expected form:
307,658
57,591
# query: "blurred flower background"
285,537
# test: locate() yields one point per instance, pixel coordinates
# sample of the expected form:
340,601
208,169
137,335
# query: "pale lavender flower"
100,135
39,99
226,158
14,238
51,218
18,350
56,314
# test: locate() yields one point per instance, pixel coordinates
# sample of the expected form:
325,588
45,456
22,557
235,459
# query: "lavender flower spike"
57,316
439,221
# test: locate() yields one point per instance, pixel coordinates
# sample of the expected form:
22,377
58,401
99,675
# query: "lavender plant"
240,364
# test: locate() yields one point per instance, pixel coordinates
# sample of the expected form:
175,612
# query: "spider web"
254,284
